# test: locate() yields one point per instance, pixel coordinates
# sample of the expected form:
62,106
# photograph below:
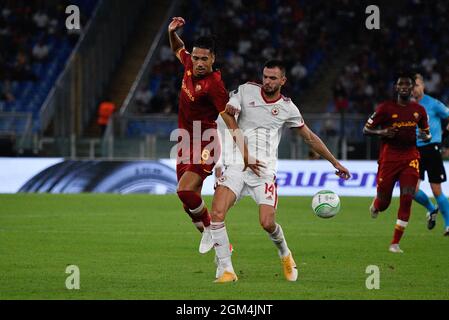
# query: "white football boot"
206,243
374,213
395,248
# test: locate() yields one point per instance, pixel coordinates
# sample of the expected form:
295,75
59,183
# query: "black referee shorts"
432,162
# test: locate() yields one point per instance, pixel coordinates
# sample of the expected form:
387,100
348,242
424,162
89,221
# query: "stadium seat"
29,96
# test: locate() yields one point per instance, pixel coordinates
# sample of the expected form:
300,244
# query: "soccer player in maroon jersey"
399,156
202,98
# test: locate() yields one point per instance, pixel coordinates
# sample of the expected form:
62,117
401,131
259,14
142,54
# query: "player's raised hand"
176,23
255,165
342,172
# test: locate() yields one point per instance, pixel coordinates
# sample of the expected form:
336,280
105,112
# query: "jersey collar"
266,99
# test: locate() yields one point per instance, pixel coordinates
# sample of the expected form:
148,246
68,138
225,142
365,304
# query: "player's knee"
436,194
436,190
218,215
407,197
189,186
268,225
408,192
185,188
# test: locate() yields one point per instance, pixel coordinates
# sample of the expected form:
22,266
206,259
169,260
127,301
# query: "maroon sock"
398,232
205,217
194,218
405,207
193,201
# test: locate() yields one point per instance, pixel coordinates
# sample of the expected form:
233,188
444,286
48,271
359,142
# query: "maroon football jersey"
201,99
405,118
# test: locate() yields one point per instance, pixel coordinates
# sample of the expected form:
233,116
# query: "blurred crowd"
302,33
412,37
306,34
29,32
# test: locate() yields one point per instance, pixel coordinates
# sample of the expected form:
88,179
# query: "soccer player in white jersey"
262,113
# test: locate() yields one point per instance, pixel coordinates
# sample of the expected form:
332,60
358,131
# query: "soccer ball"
326,204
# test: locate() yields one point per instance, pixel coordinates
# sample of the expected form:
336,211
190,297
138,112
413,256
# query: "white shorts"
263,191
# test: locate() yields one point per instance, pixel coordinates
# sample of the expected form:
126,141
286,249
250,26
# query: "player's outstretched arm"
175,41
313,141
250,162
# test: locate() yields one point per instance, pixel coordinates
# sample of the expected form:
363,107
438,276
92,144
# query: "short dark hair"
274,63
406,74
206,42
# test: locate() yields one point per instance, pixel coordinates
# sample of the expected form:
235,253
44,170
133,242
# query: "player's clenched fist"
176,23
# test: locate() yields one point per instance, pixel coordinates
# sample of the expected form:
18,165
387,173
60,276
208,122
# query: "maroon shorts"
202,163
202,170
404,171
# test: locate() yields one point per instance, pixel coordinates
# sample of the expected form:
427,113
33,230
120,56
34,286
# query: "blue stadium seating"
160,128
30,95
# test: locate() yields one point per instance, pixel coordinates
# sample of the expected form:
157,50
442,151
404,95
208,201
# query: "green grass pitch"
144,247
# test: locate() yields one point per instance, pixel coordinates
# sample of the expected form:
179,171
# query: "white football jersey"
262,121
230,154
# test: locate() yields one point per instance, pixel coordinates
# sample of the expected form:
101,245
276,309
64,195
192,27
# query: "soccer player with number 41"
399,157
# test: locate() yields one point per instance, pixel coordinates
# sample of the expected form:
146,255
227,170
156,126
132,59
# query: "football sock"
202,213
443,204
195,220
279,241
196,205
205,217
191,199
221,245
199,225
424,200
399,231
405,207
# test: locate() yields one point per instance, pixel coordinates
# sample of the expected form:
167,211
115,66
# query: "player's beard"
270,92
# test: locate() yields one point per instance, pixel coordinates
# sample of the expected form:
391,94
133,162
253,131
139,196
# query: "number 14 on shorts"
271,192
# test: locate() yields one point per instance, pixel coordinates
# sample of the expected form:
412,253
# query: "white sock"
279,241
221,245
